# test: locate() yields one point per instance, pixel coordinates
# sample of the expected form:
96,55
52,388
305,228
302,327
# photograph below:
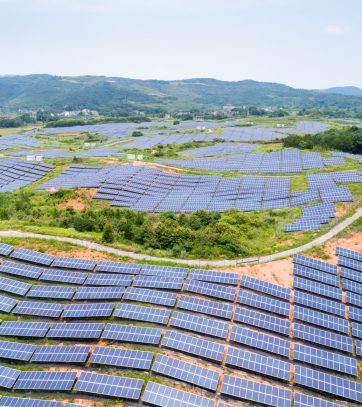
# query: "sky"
309,44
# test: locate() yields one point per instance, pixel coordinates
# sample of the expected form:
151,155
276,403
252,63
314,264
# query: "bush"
107,235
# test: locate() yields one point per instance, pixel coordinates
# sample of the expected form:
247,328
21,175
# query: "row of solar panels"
176,369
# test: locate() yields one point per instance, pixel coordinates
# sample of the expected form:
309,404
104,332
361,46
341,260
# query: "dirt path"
213,263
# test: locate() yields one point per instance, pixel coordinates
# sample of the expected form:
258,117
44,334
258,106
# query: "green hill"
106,94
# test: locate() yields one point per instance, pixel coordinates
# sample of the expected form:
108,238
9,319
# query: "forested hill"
108,93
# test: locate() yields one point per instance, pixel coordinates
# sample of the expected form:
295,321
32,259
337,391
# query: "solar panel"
49,381
341,251
186,372
61,354
257,363
75,264
5,249
356,330
22,270
174,283
208,326
353,298
89,310
199,305
16,351
141,313
317,288
316,275
351,274
254,391
325,359
322,304
116,267
321,319
328,383
42,309
214,276
350,263
260,340
261,320
8,377
163,271
7,304
63,276
20,402
315,264
352,286
210,289
302,400
355,314
128,358
109,280
32,256
28,329
13,286
265,287
150,296
164,396
99,293
126,333
76,330
53,292
323,337
264,303
358,347
195,346
107,385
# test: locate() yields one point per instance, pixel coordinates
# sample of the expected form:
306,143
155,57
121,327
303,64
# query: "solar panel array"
243,338
283,161
16,174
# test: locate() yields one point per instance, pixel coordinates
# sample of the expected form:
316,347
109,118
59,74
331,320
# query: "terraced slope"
76,329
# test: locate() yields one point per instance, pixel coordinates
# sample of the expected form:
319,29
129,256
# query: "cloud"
335,29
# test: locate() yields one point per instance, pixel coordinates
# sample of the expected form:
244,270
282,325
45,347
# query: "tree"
137,133
107,235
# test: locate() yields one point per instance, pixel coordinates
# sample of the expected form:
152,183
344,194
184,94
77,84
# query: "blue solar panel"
356,330
99,293
328,383
265,287
319,303
43,309
22,402
195,346
107,385
7,304
262,320
303,400
351,274
264,303
76,264
91,310
141,313
259,340
5,249
13,286
116,267
353,286
16,351
315,264
255,391
109,280
32,256
8,377
75,330
187,372
203,325
321,319
128,358
210,289
325,359
28,329
150,296
257,363
317,288
22,270
214,276
126,333
49,381
61,354
316,275
164,396
199,305
323,337
341,251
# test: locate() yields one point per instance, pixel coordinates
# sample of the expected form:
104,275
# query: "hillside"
345,90
109,93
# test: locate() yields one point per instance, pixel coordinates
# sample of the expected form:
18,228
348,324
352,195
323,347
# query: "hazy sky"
302,43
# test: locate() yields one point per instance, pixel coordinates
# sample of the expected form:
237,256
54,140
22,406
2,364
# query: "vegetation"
348,139
198,235
121,96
